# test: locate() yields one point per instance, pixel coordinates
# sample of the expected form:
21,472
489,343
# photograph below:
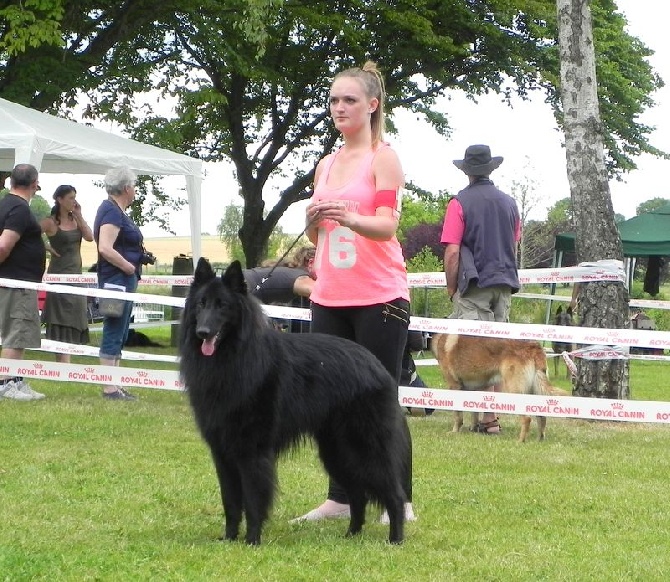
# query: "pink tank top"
352,270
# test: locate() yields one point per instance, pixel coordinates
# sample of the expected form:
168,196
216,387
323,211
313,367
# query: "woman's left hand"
334,210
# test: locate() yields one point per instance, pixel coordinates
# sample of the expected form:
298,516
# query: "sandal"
485,427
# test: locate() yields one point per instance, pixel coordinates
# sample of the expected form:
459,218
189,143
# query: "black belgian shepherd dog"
256,391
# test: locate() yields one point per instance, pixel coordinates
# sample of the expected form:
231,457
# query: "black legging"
382,329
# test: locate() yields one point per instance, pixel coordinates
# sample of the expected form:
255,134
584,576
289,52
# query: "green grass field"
98,490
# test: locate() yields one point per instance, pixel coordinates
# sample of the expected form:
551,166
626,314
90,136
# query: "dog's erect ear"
559,310
203,272
233,278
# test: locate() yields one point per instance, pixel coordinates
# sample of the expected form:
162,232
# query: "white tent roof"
56,145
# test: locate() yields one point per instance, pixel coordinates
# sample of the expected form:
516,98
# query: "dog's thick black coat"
139,339
256,391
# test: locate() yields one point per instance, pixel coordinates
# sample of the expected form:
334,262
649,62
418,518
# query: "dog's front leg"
231,494
258,485
357,503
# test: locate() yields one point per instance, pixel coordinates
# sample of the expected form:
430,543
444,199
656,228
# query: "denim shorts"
115,329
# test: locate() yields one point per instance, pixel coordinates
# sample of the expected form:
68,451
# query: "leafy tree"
249,78
269,115
54,51
603,304
421,207
228,231
421,222
40,207
538,245
560,215
525,194
651,205
423,237
30,23
538,237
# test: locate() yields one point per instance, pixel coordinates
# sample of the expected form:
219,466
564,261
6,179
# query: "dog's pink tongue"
207,348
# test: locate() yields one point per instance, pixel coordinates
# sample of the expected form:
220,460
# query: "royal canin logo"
89,370
37,366
552,402
142,374
489,398
617,405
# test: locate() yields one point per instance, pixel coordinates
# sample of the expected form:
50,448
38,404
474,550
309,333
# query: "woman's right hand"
312,214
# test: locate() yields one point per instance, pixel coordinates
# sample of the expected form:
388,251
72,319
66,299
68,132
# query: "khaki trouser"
489,304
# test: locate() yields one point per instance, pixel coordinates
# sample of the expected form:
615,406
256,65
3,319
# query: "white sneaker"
328,510
26,389
13,393
409,515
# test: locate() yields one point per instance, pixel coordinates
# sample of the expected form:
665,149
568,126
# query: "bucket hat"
478,161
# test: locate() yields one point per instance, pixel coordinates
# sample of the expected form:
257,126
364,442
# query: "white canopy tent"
56,145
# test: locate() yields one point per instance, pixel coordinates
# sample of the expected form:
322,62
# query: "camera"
147,258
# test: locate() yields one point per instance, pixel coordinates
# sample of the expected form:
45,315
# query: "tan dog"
476,363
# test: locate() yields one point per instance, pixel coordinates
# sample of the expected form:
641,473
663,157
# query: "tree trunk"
256,230
603,304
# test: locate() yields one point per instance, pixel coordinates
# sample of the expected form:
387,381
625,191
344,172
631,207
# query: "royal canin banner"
533,405
500,403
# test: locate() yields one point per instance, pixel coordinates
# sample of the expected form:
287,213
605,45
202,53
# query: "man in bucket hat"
481,231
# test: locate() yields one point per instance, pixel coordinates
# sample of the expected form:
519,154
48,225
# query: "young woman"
361,290
66,316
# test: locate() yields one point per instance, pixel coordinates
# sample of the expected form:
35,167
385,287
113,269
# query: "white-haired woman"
120,250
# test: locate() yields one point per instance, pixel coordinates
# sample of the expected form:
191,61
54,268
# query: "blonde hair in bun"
373,84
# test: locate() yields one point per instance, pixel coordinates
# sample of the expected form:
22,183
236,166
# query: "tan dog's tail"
541,380
545,388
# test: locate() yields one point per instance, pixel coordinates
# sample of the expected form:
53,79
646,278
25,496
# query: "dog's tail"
542,384
437,343
544,387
